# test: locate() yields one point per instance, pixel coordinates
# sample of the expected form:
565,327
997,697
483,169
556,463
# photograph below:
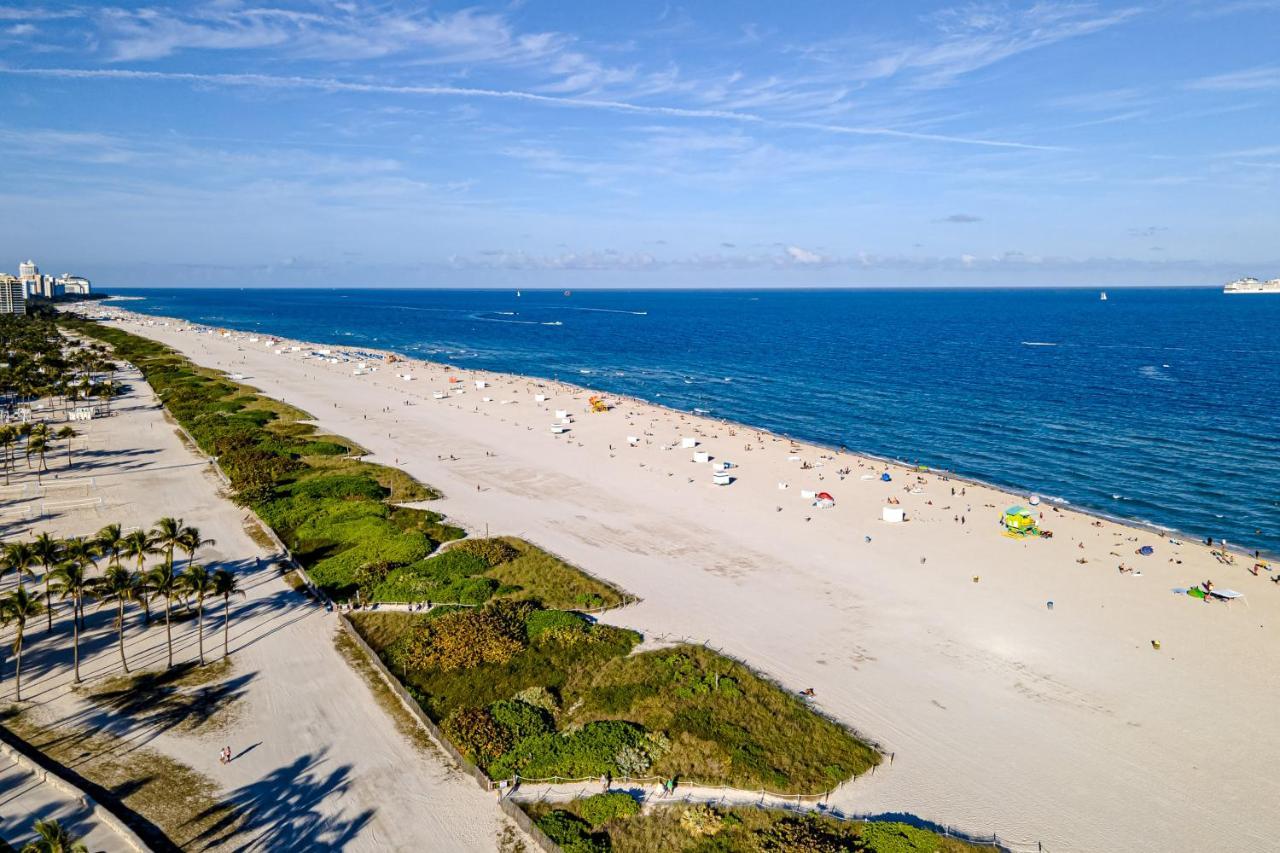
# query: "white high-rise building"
13,295
73,285
28,269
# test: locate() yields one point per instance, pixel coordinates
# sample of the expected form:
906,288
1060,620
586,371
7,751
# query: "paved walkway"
24,799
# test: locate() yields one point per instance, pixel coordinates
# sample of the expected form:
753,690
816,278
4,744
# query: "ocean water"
1161,406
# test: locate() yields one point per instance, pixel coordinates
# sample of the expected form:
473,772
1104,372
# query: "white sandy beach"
319,765
1062,726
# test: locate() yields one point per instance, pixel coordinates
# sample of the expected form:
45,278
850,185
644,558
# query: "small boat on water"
1103,296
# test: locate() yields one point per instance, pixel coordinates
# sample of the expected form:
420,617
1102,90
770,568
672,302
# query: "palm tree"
38,446
120,585
225,585
111,542
189,541
162,580
139,545
53,837
72,582
48,551
20,557
198,582
84,553
168,535
66,434
17,607
8,438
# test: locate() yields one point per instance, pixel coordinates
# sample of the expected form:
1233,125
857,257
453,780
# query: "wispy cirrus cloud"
1262,78
328,84
959,219
971,37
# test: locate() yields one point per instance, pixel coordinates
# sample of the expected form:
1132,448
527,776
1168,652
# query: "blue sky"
294,142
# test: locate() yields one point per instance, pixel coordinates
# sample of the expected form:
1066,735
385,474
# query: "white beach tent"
481,384
688,443
540,398
633,440
701,456
893,514
721,478
562,413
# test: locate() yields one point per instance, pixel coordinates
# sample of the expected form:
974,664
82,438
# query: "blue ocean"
1156,405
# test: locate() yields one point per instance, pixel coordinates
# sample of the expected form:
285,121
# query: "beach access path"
319,764
1061,725
26,798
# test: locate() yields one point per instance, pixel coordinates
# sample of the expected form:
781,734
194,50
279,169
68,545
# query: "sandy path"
1062,726
318,761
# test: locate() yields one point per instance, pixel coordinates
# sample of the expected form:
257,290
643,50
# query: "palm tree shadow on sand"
283,811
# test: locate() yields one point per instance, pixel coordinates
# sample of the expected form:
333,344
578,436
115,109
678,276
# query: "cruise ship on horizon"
1252,285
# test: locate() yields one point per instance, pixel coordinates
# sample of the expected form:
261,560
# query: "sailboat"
1103,297
517,293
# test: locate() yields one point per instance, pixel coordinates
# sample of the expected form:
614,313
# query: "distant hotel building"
13,295
35,284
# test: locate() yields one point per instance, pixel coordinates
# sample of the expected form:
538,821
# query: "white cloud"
270,81
1250,80
974,36
803,256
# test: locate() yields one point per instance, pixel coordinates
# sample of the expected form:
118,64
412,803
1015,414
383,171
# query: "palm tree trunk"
124,663
17,650
48,599
75,647
200,629
168,632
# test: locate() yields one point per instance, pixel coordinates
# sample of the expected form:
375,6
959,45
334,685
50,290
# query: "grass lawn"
590,825
544,693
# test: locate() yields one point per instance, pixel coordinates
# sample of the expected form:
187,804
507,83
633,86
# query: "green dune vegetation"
345,520
613,822
524,690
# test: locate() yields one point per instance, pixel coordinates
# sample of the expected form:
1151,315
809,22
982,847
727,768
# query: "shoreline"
1014,490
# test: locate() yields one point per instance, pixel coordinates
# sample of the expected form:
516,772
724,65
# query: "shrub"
541,621
804,835
466,639
521,719
539,697
605,807
571,832
493,551
475,732
322,448
590,751
897,838
701,821
367,578
338,487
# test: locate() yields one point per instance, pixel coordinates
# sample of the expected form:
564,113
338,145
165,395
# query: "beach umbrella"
885,477
1146,550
